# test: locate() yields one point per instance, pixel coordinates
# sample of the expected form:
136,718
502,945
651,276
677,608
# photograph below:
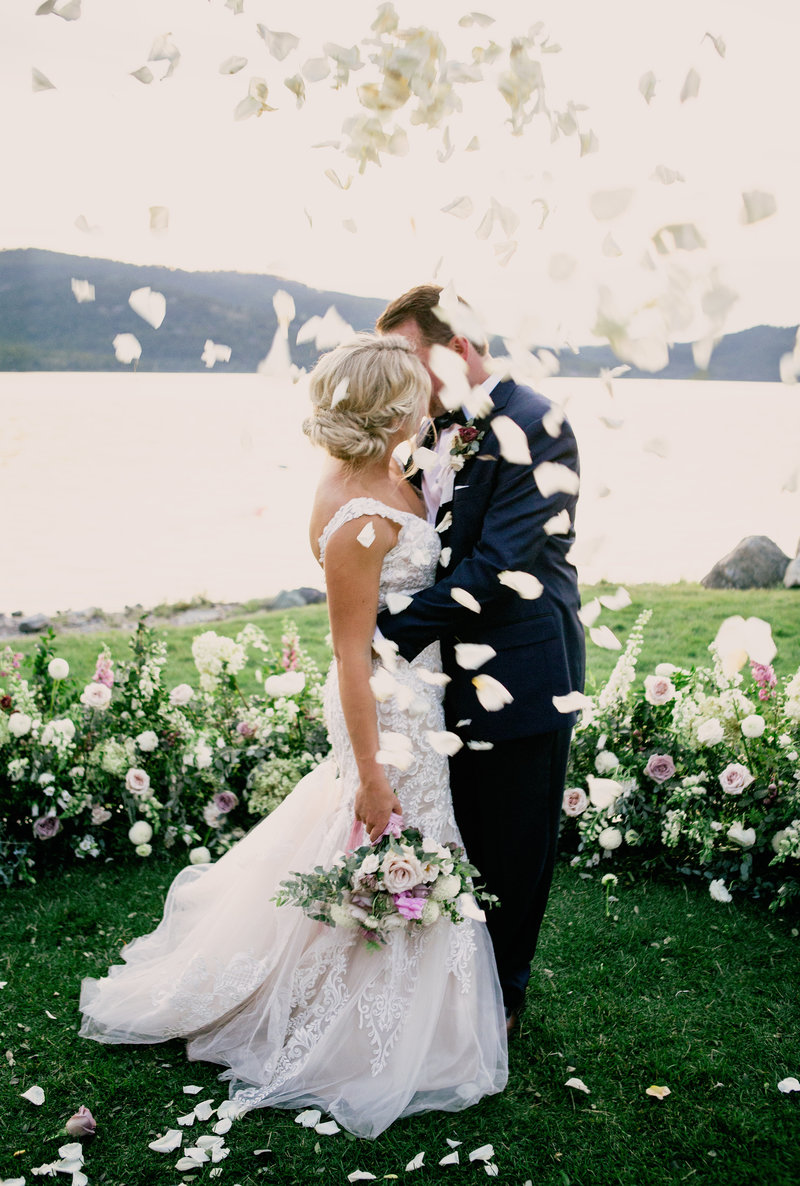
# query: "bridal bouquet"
404,880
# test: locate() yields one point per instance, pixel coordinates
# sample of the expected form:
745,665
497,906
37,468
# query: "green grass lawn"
671,988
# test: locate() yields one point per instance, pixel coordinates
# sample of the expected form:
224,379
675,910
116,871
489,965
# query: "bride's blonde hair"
363,393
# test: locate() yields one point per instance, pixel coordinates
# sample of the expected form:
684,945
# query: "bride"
302,1014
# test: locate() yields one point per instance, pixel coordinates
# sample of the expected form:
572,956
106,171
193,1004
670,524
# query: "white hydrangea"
216,655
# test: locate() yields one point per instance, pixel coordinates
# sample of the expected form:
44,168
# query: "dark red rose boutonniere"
466,442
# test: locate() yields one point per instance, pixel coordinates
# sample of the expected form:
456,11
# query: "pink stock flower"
290,655
408,905
765,679
660,767
104,671
82,1124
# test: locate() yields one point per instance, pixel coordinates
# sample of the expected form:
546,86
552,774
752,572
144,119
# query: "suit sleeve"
512,536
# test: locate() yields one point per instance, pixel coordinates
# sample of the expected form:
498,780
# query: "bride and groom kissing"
448,583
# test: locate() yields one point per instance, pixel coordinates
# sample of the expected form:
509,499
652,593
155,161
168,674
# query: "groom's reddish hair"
418,305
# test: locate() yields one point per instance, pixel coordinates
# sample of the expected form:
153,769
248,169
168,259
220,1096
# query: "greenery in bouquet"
126,765
404,880
696,768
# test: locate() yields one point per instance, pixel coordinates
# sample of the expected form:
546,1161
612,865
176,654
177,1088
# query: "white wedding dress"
303,1014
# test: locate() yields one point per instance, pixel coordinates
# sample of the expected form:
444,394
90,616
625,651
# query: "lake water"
138,488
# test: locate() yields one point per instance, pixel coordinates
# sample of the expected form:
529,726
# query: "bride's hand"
375,801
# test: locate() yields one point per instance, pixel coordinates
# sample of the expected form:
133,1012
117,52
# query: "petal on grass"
171,1140
204,1109
577,1085
483,1153
416,1162
360,1176
789,1084
327,1129
309,1119
192,1089
34,1094
450,1158
657,1092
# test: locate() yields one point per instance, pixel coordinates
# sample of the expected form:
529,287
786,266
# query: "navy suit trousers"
507,803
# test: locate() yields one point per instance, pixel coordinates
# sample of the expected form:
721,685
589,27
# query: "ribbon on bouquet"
358,835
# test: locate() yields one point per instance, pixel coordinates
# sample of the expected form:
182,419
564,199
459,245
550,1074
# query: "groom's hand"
375,801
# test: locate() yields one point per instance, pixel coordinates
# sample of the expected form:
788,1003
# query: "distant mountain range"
44,328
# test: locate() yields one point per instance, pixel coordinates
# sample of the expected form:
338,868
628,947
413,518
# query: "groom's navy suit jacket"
498,524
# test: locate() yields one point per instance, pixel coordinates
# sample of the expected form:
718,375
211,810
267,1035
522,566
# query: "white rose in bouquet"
735,778
58,669
147,741
96,696
180,695
140,833
401,871
658,689
19,723
575,801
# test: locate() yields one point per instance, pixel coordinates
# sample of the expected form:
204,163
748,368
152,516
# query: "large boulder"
791,578
755,563
33,624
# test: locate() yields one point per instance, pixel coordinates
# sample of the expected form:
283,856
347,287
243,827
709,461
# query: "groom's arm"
512,537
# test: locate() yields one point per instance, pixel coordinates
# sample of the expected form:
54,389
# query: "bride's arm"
352,576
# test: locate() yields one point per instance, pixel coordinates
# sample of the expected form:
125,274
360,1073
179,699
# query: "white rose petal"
559,524
450,1158
739,639
590,612
397,602
578,1085
484,1153
512,440
424,459
491,693
553,478
524,583
150,306
188,1120
127,348
572,702
741,835
383,685
445,556
601,636
472,655
445,522
416,1162
789,1084
171,1140
466,599
719,891
328,1129
658,1092
603,791
223,1126
444,742
192,1089
366,536
58,669
34,1094
615,601
360,1176
436,679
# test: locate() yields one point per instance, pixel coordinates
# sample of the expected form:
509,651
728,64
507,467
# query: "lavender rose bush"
702,768
126,766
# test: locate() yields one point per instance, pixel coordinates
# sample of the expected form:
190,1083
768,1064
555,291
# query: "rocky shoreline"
195,613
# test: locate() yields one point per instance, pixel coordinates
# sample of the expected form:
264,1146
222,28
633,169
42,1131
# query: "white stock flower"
58,669
200,856
735,778
609,839
180,695
710,732
719,891
741,835
753,726
97,696
19,723
658,689
147,741
605,762
289,683
140,833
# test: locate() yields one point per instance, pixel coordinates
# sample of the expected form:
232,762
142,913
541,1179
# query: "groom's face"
410,330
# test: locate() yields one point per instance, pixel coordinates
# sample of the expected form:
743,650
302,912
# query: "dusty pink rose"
401,871
660,767
137,781
82,1124
409,906
658,689
245,729
100,815
575,801
104,671
735,778
225,801
46,827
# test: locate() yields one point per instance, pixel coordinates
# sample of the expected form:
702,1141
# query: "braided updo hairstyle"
362,394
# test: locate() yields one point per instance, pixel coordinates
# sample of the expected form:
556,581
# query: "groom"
508,780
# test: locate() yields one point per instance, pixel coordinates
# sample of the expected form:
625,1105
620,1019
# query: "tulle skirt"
299,1013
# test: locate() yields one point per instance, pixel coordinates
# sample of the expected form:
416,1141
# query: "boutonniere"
466,442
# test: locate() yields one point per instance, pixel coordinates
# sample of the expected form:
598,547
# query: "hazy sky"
253,195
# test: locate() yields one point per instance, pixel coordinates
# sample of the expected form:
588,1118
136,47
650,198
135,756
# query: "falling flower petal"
163,50
657,446
450,1158
559,524
126,348
589,143
397,602
657,1092
590,612
614,601
280,45
484,1153
445,522
757,205
513,442
143,74
466,599
572,702
611,249
70,11
40,82
159,218
366,536
667,176
444,556
554,478
150,306
472,655
214,352
424,458
601,636
171,1140
459,207
525,584
578,1085
297,85
491,693
46,8
444,742
34,1094
603,791
315,69
790,1084
309,1119
82,290
691,86
552,421
606,204
232,65
341,392
327,1129
437,679
383,685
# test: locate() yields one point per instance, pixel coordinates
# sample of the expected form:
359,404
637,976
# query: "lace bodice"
411,563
